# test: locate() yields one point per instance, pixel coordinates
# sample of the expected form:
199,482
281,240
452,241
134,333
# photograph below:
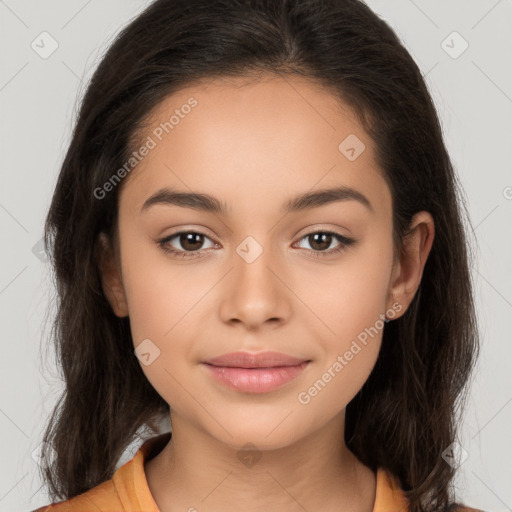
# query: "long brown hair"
406,413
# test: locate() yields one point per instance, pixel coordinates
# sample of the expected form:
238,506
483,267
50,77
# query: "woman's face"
257,271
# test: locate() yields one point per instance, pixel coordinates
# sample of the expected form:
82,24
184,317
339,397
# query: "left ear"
408,269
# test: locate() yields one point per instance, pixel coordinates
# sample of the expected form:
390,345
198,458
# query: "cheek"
164,298
161,293
335,384
161,309
350,296
349,299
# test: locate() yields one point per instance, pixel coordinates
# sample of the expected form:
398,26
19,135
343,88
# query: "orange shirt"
128,490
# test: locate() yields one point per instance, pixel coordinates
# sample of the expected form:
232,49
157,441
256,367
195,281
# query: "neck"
195,471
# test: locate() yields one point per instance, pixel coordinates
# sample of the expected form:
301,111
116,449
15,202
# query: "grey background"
38,98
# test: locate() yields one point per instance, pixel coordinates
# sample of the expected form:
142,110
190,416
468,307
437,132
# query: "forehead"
249,139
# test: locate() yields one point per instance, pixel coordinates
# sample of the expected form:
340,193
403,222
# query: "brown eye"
191,241
320,241
184,243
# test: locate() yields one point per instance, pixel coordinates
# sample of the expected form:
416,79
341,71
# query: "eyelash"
344,241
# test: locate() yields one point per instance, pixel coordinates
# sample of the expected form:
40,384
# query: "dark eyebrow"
194,200
207,203
325,196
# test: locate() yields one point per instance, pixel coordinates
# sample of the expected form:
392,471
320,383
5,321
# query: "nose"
255,294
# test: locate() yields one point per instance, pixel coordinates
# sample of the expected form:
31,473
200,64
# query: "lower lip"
256,380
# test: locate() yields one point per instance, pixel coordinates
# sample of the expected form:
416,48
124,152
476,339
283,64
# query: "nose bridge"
257,295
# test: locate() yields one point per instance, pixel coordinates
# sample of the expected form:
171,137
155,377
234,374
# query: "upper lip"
255,360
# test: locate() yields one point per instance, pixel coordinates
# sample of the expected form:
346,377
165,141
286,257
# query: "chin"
276,428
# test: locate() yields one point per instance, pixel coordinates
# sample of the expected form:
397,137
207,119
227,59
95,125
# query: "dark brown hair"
406,413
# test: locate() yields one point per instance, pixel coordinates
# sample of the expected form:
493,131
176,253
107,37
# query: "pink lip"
255,373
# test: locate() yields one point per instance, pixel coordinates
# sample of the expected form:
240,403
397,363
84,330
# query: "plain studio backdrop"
464,50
